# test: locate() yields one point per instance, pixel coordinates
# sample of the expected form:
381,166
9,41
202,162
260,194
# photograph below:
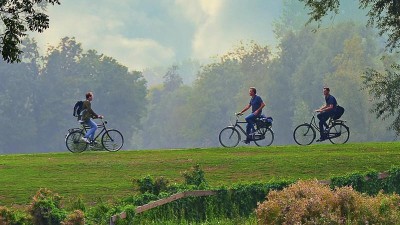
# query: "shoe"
85,140
246,142
321,139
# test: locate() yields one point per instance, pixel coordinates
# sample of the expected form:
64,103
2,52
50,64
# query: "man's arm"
259,109
245,109
325,108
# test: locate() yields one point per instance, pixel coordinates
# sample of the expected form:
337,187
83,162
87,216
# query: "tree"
18,17
172,79
383,14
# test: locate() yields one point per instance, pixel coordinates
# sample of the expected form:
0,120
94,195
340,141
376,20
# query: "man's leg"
323,117
92,130
250,119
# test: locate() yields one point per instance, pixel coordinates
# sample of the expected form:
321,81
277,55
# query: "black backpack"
78,109
339,112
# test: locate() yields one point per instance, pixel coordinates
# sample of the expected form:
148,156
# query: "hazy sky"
146,33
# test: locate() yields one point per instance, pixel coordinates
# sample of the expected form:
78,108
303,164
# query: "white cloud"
137,54
143,34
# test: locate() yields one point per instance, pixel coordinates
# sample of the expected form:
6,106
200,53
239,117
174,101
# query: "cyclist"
87,115
256,104
325,112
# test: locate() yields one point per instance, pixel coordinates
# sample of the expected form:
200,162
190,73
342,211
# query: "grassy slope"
93,175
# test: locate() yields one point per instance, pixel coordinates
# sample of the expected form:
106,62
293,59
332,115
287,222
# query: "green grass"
108,176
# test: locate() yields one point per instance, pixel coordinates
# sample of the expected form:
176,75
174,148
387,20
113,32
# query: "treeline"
37,95
290,82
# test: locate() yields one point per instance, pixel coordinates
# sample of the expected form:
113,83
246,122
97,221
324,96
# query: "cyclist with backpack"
325,112
256,104
87,115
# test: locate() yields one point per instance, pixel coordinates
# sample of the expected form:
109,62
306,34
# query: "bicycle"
337,132
111,139
263,135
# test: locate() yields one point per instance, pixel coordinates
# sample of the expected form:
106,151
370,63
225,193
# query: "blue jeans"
250,119
92,130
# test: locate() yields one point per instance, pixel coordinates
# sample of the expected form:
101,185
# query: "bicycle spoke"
112,140
74,142
338,133
229,137
266,137
304,134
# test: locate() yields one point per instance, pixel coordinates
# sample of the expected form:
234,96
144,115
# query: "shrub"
12,217
195,176
75,218
147,184
309,202
45,208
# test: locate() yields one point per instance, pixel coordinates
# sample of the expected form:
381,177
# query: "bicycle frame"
314,124
102,125
85,128
237,124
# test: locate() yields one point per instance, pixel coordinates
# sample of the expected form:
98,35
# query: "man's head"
89,96
326,91
252,91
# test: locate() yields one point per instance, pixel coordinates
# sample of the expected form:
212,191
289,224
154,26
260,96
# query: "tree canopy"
17,18
383,14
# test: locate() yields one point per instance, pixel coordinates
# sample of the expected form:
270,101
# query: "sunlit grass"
108,176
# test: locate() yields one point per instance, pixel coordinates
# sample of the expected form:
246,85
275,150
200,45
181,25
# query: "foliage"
17,18
46,208
40,92
148,185
75,218
13,217
384,91
195,176
385,14
309,202
305,202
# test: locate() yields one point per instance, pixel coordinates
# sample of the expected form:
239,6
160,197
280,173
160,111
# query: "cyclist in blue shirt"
325,112
256,104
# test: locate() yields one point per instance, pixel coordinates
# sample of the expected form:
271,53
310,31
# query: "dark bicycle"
111,139
263,135
337,132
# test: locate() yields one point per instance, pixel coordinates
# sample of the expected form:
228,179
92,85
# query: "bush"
8,216
147,184
195,176
45,208
76,218
309,202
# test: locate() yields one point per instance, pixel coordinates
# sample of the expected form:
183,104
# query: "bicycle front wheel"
112,140
304,134
339,133
229,137
74,142
268,137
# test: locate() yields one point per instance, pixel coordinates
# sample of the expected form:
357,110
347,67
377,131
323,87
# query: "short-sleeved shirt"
330,100
255,103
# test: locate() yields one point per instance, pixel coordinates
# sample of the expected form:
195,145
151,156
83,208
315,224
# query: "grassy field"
103,175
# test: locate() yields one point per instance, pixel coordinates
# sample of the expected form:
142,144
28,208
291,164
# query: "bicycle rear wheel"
112,140
339,133
74,142
304,134
268,137
229,137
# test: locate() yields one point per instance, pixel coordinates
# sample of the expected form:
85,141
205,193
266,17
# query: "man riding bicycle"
87,115
325,112
256,104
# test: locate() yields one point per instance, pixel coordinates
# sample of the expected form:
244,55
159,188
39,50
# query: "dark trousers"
250,119
323,117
